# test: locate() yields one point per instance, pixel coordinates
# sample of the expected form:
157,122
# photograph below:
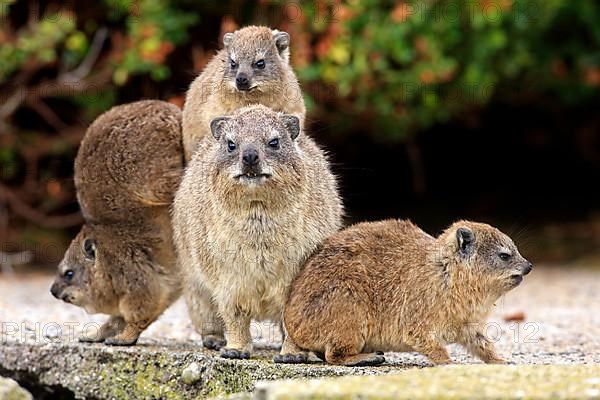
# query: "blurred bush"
389,68
403,66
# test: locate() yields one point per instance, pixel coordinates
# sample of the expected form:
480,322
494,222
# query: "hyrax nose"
528,269
54,290
242,81
250,157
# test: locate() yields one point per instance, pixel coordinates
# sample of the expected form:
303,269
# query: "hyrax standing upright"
122,262
389,286
256,200
253,68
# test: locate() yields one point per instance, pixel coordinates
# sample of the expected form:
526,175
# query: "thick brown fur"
389,286
241,235
122,262
214,92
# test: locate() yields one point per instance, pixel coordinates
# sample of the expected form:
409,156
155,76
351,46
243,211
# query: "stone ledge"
448,382
10,390
147,370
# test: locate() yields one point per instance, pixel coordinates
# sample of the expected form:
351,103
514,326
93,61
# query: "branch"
36,216
90,59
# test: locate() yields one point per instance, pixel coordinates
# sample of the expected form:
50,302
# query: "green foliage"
154,28
411,64
389,68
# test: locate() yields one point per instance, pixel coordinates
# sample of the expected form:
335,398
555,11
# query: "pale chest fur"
252,259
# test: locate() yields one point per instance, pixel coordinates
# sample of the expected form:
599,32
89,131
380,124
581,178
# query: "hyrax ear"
216,126
292,124
466,240
227,38
282,42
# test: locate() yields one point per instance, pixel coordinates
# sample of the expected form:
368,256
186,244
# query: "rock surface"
448,382
10,390
39,347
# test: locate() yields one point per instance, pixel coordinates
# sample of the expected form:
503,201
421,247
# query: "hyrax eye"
274,143
231,146
89,249
504,256
232,64
69,274
260,64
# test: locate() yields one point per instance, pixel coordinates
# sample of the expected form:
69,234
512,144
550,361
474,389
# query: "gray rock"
448,382
10,390
191,374
148,370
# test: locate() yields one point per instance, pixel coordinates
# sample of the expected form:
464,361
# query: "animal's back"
130,161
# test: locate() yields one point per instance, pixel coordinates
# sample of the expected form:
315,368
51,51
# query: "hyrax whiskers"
256,200
389,286
253,68
122,262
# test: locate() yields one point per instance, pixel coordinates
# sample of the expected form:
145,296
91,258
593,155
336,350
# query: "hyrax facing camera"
122,262
389,286
256,200
253,68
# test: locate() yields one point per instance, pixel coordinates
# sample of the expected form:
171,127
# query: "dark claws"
213,343
377,360
234,354
85,339
120,342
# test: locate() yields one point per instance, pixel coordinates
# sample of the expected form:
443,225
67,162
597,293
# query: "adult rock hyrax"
389,286
256,200
122,262
253,67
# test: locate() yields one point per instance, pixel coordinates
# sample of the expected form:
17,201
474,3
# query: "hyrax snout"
252,68
256,200
389,286
122,262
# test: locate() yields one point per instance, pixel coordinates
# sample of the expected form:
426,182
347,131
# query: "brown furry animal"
253,68
389,286
122,262
254,203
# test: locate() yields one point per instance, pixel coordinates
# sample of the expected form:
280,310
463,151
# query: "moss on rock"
449,382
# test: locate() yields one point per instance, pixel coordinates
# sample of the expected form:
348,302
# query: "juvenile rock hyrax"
253,68
122,262
389,286
256,200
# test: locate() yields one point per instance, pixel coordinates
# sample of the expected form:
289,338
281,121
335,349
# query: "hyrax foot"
119,341
213,342
235,353
300,358
111,327
91,339
363,360
128,337
497,360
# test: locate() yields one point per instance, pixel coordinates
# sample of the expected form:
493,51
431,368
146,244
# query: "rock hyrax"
256,200
253,68
122,262
389,286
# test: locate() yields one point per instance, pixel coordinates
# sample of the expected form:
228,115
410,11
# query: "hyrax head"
76,270
257,58
488,254
257,148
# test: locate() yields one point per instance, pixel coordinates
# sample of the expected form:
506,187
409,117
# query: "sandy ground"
561,307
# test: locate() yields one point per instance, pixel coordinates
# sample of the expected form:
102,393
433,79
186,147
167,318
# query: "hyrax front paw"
497,360
235,353
300,358
368,361
213,342
120,341
91,339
